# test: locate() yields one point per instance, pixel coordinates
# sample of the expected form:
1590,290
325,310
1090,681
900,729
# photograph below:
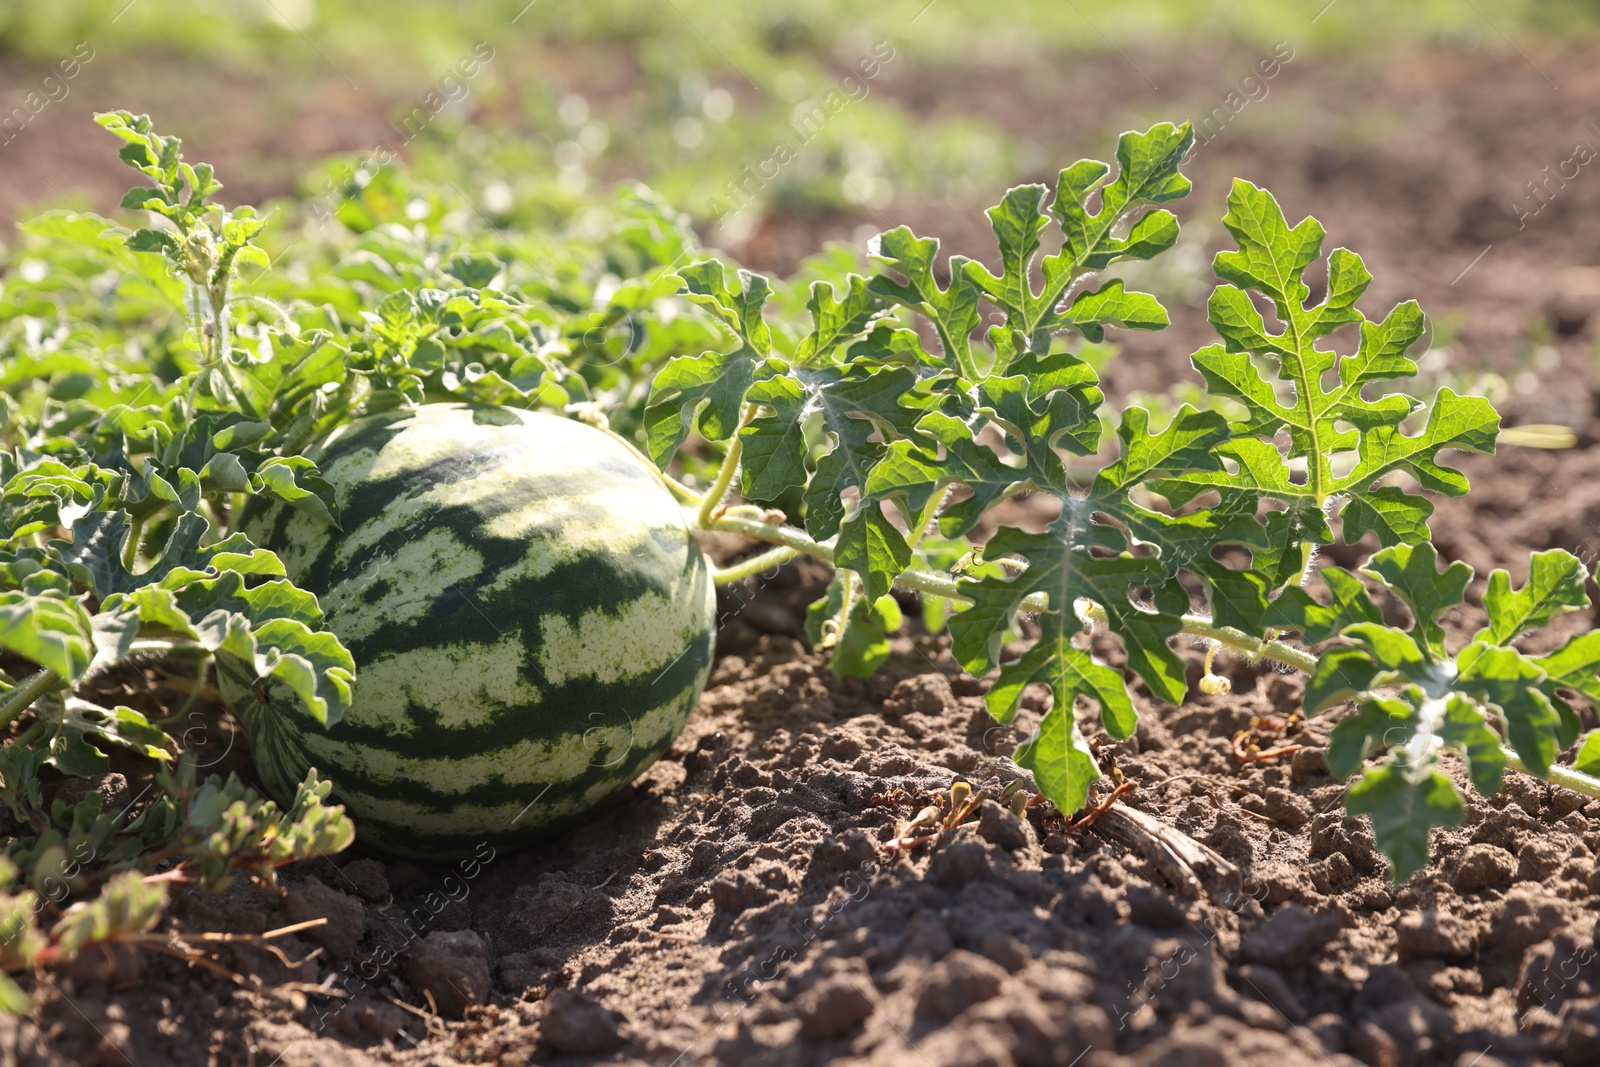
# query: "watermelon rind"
531,619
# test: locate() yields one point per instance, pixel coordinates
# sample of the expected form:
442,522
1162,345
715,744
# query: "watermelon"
531,619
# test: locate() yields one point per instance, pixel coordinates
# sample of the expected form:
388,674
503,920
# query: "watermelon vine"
867,418
171,495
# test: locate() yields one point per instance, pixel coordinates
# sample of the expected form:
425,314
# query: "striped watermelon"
531,619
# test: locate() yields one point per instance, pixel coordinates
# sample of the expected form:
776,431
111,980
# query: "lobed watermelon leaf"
1489,701
1343,446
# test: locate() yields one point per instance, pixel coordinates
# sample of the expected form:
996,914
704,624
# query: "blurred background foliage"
778,128
686,94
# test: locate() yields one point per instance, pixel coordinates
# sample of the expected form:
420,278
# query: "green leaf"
12,999
1509,680
1295,609
1327,416
50,631
312,664
1092,310
1147,174
1588,761
155,609
1465,730
1086,553
858,408
1378,724
128,904
1416,722
87,733
1404,808
1445,703
154,241
1383,656
953,310
863,647
836,322
1342,674
295,481
1411,571
707,391
1070,672
774,441
1060,759
474,270
1555,586
871,546
705,283
918,470
1392,515
1575,665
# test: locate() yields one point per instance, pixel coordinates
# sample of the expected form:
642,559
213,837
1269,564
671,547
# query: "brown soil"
736,906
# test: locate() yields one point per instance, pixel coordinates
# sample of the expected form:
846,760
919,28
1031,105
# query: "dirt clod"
1289,939
1308,764
1527,917
925,694
1273,989
1579,1039
1435,935
833,1007
999,826
1287,809
292,1045
959,863
366,878
112,788
454,967
957,982
315,899
1483,867
1374,1046
575,1024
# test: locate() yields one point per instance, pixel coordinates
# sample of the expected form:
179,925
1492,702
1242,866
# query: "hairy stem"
1576,781
755,565
728,471
130,550
847,590
22,697
925,520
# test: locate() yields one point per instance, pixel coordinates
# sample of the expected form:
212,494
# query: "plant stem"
939,585
1576,781
1238,641
757,530
755,565
130,551
847,589
22,697
925,520
728,471
28,736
